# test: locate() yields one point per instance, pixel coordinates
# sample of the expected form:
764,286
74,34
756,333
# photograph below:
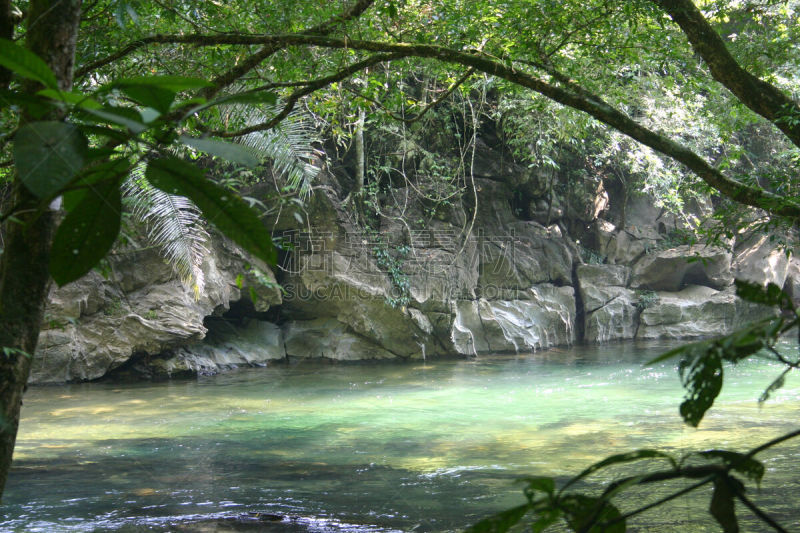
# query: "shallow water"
376,446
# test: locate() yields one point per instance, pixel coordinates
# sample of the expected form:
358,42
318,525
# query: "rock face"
610,308
95,325
696,311
546,319
674,269
470,281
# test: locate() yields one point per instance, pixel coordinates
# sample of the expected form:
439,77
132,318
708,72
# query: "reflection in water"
371,446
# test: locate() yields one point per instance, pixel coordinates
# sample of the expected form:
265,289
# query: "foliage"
174,224
92,176
589,256
288,145
646,298
393,266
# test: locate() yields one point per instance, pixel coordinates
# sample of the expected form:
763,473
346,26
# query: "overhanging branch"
760,96
308,88
580,100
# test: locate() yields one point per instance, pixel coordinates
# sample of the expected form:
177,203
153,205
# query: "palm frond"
288,145
175,226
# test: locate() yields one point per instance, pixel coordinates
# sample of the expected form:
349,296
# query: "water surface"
428,446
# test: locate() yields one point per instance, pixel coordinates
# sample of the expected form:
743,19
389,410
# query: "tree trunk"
360,156
24,277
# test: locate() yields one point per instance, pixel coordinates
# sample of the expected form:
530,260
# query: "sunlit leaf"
235,153
124,117
701,375
25,63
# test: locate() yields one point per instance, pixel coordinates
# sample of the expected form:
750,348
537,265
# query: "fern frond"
175,226
288,145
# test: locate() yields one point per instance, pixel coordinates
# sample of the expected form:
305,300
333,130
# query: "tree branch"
580,100
760,96
310,87
230,77
425,109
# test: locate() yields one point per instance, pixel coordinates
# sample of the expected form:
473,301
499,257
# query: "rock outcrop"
95,325
469,281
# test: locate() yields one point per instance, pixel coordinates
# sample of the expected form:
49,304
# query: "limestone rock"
672,270
545,319
328,338
95,325
610,310
759,261
255,343
603,275
698,311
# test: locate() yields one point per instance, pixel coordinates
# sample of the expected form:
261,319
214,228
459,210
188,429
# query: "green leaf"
770,295
228,151
47,155
149,95
776,385
621,458
87,233
169,83
35,106
113,170
540,483
220,206
723,507
547,518
25,63
149,114
120,115
701,375
750,339
752,468
501,522
585,513
72,98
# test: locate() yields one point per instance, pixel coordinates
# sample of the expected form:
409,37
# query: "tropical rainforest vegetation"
104,98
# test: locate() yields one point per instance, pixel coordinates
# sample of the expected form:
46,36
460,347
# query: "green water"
371,447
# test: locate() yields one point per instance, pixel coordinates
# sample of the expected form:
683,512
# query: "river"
415,446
